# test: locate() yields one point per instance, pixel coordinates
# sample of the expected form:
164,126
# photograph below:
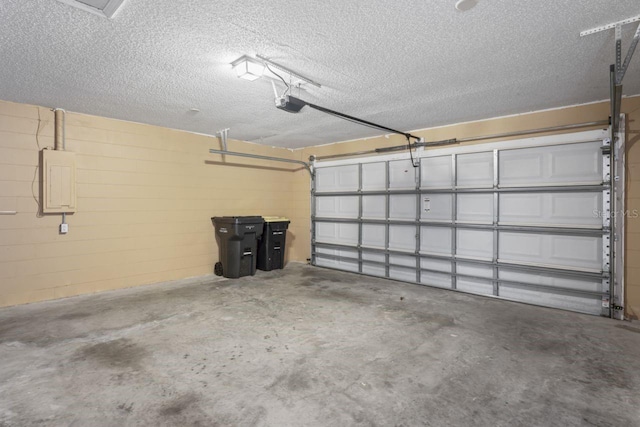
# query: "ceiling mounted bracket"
291,73
224,133
622,69
307,166
620,66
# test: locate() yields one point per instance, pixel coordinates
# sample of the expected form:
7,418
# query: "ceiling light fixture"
104,8
464,5
248,68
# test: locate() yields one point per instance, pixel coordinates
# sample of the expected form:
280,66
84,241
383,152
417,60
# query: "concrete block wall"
145,198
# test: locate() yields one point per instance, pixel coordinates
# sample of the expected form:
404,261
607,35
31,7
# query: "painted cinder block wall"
145,198
569,115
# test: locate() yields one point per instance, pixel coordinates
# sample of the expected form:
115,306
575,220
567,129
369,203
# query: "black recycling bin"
271,247
238,244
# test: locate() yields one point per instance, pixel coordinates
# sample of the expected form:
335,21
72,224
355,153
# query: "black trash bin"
238,244
272,245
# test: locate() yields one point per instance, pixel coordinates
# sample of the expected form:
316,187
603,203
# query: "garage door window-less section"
524,220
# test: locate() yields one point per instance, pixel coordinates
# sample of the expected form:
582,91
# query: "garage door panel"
474,286
337,207
374,176
374,270
404,274
402,207
474,244
551,209
374,207
402,237
575,209
520,166
549,243
584,252
579,303
338,259
435,279
551,280
373,256
402,174
337,178
436,264
551,165
436,172
475,208
331,232
373,235
475,170
436,207
435,240
407,261
577,163
577,251
476,270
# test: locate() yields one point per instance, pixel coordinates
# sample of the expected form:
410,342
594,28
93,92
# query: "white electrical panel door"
58,173
521,220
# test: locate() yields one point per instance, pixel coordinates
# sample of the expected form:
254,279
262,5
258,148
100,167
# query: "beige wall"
571,115
146,195
145,198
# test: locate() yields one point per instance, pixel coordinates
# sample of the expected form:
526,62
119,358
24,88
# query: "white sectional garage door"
523,220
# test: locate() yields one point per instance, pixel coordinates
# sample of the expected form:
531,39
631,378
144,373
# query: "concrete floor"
309,346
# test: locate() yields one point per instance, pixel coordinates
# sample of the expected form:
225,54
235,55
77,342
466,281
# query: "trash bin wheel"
217,269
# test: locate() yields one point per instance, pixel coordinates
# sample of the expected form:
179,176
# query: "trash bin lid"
237,219
275,219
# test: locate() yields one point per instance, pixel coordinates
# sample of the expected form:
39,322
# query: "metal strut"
224,133
619,68
306,165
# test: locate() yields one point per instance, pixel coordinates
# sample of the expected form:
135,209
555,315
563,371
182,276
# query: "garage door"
524,220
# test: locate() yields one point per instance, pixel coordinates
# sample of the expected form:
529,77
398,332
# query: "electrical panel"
58,172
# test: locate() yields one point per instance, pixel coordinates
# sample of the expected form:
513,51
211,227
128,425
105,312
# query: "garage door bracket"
306,165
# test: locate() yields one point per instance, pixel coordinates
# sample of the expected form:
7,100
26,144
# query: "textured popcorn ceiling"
407,64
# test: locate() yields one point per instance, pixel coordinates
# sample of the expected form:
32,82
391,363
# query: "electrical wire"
35,171
280,77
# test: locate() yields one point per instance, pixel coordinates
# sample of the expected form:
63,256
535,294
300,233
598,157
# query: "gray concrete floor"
309,346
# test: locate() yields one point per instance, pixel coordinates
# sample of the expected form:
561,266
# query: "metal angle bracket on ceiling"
224,133
269,63
620,67
307,166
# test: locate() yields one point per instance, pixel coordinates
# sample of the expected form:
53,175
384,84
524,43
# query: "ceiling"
406,64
